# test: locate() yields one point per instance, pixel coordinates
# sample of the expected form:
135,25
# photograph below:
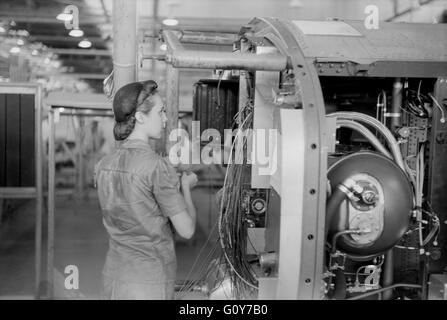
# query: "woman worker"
139,193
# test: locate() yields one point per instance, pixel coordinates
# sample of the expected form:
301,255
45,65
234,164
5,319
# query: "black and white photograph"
223,155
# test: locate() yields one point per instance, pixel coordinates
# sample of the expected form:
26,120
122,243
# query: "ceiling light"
20,42
56,64
163,47
12,23
76,33
34,52
23,33
85,44
2,30
64,16
47,60
14,50
170,22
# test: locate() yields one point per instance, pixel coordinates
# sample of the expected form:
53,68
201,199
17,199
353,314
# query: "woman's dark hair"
127,101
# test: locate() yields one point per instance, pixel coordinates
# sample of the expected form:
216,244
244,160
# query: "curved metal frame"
288,39
310,284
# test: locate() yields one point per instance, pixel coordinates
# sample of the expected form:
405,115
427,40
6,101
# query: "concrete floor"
81,240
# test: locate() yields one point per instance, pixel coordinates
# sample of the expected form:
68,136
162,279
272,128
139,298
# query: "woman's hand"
189,181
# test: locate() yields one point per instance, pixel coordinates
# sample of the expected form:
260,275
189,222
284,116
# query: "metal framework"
309,241
74,107
35,192
310,50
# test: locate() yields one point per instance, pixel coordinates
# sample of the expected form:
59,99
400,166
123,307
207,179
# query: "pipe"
388,274
341,191
51,205
172,105
215,39
124,42
154,28
424,263
339,234
396,105
366,133
179,57
332,206
172,41
374,292
227,60
391,140
159,57
339,293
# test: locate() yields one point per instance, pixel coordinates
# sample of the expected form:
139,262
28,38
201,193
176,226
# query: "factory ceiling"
38,18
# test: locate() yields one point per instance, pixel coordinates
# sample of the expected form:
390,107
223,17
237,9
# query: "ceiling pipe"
124,42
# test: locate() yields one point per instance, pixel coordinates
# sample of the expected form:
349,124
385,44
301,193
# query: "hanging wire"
232,229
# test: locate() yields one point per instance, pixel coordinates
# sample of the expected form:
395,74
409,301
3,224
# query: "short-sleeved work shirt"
138,191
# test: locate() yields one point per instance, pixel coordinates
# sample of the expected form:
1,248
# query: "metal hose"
374,292
366,133
332,206
397,155
338,235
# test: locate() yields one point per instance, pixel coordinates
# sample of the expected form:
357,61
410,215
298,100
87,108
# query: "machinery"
352,207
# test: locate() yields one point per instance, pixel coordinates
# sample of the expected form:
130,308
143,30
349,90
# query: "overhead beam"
67,38
96,61
223,25
97,76
40,16
82,52
145,22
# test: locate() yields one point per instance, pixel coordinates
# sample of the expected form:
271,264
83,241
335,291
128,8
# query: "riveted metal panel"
437,182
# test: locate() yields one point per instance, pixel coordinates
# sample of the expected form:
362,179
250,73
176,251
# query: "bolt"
369,197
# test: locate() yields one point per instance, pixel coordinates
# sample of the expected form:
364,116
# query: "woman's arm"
185,222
